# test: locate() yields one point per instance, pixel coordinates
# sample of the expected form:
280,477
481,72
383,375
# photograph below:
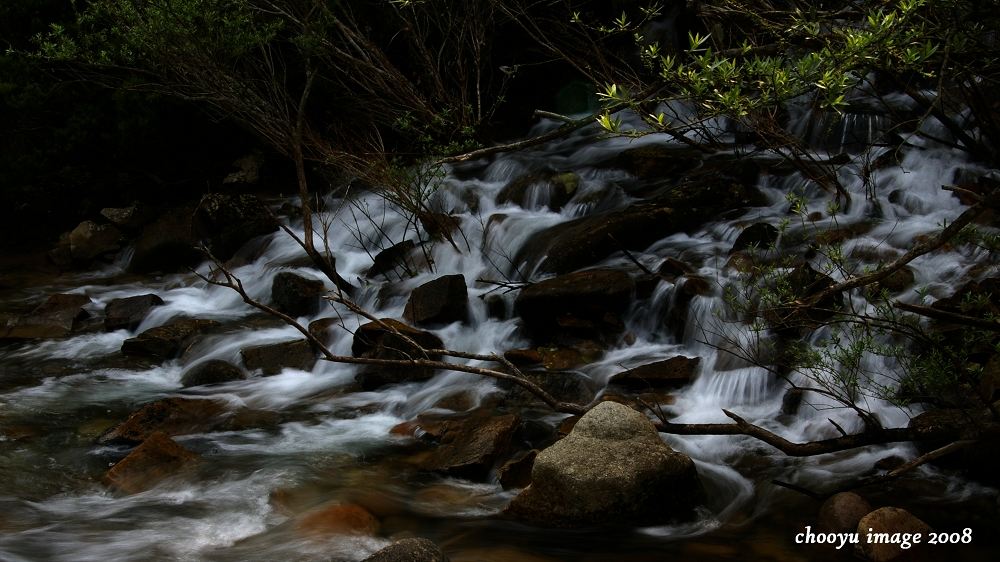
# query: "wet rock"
669,373
157,458
892,462
672,268
540,189
172,416
246,170
392,260
296,295
842,512
409,550
585,241
565,386
166,244
890,520
587,304
323,329
440,226
760,236
273,357
612,468
128,219
657,161
213,371
496,307
90,240
792,401
225,222
896,282
687,288
556,358
57,317
375,341
169,340
470,446
337,519
516,473
129,312
441,301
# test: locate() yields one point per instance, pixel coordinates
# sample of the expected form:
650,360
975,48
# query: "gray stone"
441,301
889,520
169,340
272,358
213,371
611,468
409,550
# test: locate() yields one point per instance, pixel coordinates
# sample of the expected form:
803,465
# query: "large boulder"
392,260
891,521
271,358
157,458
612,468
129,312
90,240
669,373
374,340
226,222
759,236
213,371
169,340
470,446
585,241
129,219
409,550
57,317
166,244
296,295
586,304
841,513
172,416
441,301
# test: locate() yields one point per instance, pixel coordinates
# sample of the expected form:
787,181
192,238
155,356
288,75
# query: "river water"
324,443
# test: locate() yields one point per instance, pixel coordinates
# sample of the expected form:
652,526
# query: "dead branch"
953,317
907,467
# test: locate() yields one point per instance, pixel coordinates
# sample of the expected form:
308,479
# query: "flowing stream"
316,441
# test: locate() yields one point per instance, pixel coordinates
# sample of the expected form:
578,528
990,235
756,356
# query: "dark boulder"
565,386
669,373
792,401
128,313
409,550
273,357
91,240
541,189
169,340
470,446
166,244
516,473
323,329
172,416
758,235
585,241
128,219
226,222
373,340
335,518
296,295
393,259
213,371
658,161
157,458
842,512
587,304
57,317
441,301
611,469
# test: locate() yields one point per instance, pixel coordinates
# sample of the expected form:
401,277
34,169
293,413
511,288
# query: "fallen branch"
947,316
907,467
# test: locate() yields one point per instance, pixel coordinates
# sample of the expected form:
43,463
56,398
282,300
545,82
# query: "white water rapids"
332,441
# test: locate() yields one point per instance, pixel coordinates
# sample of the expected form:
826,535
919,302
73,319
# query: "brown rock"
273,357
166,244
890,521
373,340
57,317
171,416
157,458
393,259
323,329
549,189
90,240
670,373
226,222
409,550
587,303
516,473
169,340
337,519
470,446
842,512
296,295
441,301
129,312
213,371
